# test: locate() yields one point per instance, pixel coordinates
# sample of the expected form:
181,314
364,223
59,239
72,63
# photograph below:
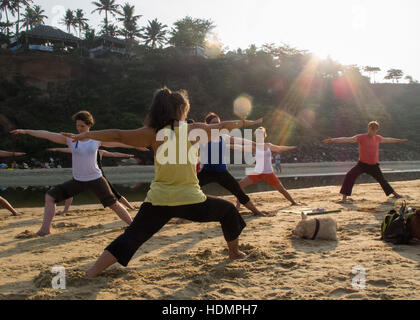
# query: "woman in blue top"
216,170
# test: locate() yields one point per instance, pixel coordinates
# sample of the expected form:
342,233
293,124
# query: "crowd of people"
176,189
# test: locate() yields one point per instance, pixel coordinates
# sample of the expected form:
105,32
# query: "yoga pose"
264,169
86,173
215,170
368,159
175,191
101,154
3,202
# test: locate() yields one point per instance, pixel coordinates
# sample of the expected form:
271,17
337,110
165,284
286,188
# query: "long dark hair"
167,107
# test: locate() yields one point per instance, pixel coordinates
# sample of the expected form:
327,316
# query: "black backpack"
394,228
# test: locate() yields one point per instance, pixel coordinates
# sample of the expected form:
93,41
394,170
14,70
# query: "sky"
380,33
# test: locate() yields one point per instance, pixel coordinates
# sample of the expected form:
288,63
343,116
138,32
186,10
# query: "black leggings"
114,191
226,180
150,219
371,169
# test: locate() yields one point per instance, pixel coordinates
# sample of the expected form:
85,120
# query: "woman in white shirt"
264,170
86,174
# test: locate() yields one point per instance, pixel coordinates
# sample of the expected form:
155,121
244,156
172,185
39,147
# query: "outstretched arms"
42,134
276,148
229,125
341,140
142,137
122,145
236,142
64,150
105,153
11,154
393,140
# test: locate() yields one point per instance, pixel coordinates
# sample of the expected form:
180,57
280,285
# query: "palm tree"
129,20
17,5
80,20
39,15
107,6
28,18
4,26
154,33
112,29
69,20
32,17
371,70
6,6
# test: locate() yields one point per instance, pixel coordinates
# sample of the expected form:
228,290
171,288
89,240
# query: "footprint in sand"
288,264
96,226
60,225
379,283
339,292
226,291
26,235
205,254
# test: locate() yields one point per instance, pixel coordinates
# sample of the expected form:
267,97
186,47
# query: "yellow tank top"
176,181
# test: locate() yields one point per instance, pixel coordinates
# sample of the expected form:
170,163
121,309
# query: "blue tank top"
217,165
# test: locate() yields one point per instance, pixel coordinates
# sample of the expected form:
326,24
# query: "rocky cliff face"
37,69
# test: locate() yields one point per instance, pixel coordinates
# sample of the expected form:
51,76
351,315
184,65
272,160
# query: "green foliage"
301,99
190,34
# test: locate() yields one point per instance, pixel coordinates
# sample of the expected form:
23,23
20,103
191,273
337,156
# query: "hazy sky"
383,33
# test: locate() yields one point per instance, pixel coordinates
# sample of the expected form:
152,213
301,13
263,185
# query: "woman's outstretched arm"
276,148
142,137
229,125
108,154
42,134
11,154
64,150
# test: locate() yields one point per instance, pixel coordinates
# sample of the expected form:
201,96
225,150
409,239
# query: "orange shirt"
369,148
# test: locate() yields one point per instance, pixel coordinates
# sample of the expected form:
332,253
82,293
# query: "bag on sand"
395,228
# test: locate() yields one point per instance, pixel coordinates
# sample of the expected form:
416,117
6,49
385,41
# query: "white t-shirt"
263,159
84,161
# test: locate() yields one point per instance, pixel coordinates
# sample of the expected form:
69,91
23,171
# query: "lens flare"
242,106
306,118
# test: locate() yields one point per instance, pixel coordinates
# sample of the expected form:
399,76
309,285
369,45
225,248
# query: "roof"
51,33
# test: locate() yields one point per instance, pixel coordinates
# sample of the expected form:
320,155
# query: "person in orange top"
368,159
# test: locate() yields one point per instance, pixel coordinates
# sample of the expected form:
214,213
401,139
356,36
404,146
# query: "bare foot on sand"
16,214
238,255
61,213
42,233
397,196
261,213
348,200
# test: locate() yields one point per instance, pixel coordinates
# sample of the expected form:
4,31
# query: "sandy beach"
188,260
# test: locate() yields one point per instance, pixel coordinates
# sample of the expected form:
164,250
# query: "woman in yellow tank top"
175,191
